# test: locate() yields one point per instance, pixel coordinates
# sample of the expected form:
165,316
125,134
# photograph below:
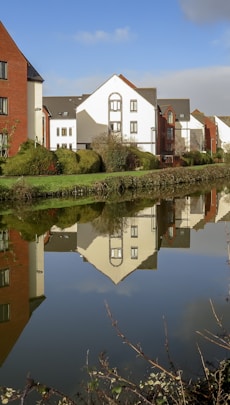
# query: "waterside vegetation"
106,184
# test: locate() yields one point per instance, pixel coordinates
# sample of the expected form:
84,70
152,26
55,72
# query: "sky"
179,47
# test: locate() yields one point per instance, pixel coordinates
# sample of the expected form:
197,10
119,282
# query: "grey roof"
32,74
63,107
150,94
61,242
181,107
225,119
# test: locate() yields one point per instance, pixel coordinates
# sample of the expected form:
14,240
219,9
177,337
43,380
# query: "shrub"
112,152
89,161
141,160
196,157
31,161
67,160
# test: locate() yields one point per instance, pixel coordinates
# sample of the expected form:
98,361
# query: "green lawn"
55,183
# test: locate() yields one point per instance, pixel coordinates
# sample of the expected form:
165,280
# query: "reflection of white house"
119,107
62,239
223,206
189,211
133,246
36,267
223,127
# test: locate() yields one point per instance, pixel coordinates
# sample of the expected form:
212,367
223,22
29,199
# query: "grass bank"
14,188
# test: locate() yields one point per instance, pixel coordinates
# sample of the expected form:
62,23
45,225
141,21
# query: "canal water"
159,265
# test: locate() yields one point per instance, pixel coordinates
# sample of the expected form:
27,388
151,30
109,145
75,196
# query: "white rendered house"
223,129
62,121
119,107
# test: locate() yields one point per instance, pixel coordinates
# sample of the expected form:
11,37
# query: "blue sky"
181,47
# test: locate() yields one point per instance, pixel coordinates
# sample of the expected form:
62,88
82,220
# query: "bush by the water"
196,157
67,160
140,160
89,161
31,161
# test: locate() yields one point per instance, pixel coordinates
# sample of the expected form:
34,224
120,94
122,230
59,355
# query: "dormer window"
3,70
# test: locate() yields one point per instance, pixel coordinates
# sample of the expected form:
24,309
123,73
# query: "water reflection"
108,243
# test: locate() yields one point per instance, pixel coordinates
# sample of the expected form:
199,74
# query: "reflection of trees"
112,218
35,223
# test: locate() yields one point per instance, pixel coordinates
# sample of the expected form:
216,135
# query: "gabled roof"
199,116
150,94
127,81
32,74
181,107
225,119
63,107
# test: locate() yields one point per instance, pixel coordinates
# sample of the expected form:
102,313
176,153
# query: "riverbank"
106,184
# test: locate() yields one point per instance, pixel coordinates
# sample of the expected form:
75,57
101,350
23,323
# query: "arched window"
115,102
170,117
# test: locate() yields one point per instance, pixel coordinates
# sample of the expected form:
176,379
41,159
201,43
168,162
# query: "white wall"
61,140
96,107
34,110
223,132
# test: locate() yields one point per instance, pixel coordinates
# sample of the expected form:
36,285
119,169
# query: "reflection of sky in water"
73,318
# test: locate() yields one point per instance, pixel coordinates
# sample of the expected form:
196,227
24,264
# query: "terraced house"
20,97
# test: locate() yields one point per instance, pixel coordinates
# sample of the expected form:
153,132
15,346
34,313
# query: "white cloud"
207,88
118,35
206,10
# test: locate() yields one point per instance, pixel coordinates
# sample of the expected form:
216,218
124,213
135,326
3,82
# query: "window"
3,145
4,240
70,146
170,134
115,126
70,131
4,277
170,117
133,105
64,131
58,145
133,127
3,106
4,312
134,252
3,70
134,231
116,253
64,145
58,131
115,105
169,147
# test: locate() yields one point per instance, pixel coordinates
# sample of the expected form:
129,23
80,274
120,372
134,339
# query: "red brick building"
20,97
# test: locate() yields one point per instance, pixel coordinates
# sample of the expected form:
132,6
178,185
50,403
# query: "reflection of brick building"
15,301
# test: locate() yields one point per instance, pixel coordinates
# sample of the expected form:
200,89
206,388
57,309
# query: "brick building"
20,97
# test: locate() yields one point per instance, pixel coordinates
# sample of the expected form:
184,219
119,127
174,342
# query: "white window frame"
3,106
133,105
3,70
4,277
115,126
133,127
116,253
134,252
115,105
